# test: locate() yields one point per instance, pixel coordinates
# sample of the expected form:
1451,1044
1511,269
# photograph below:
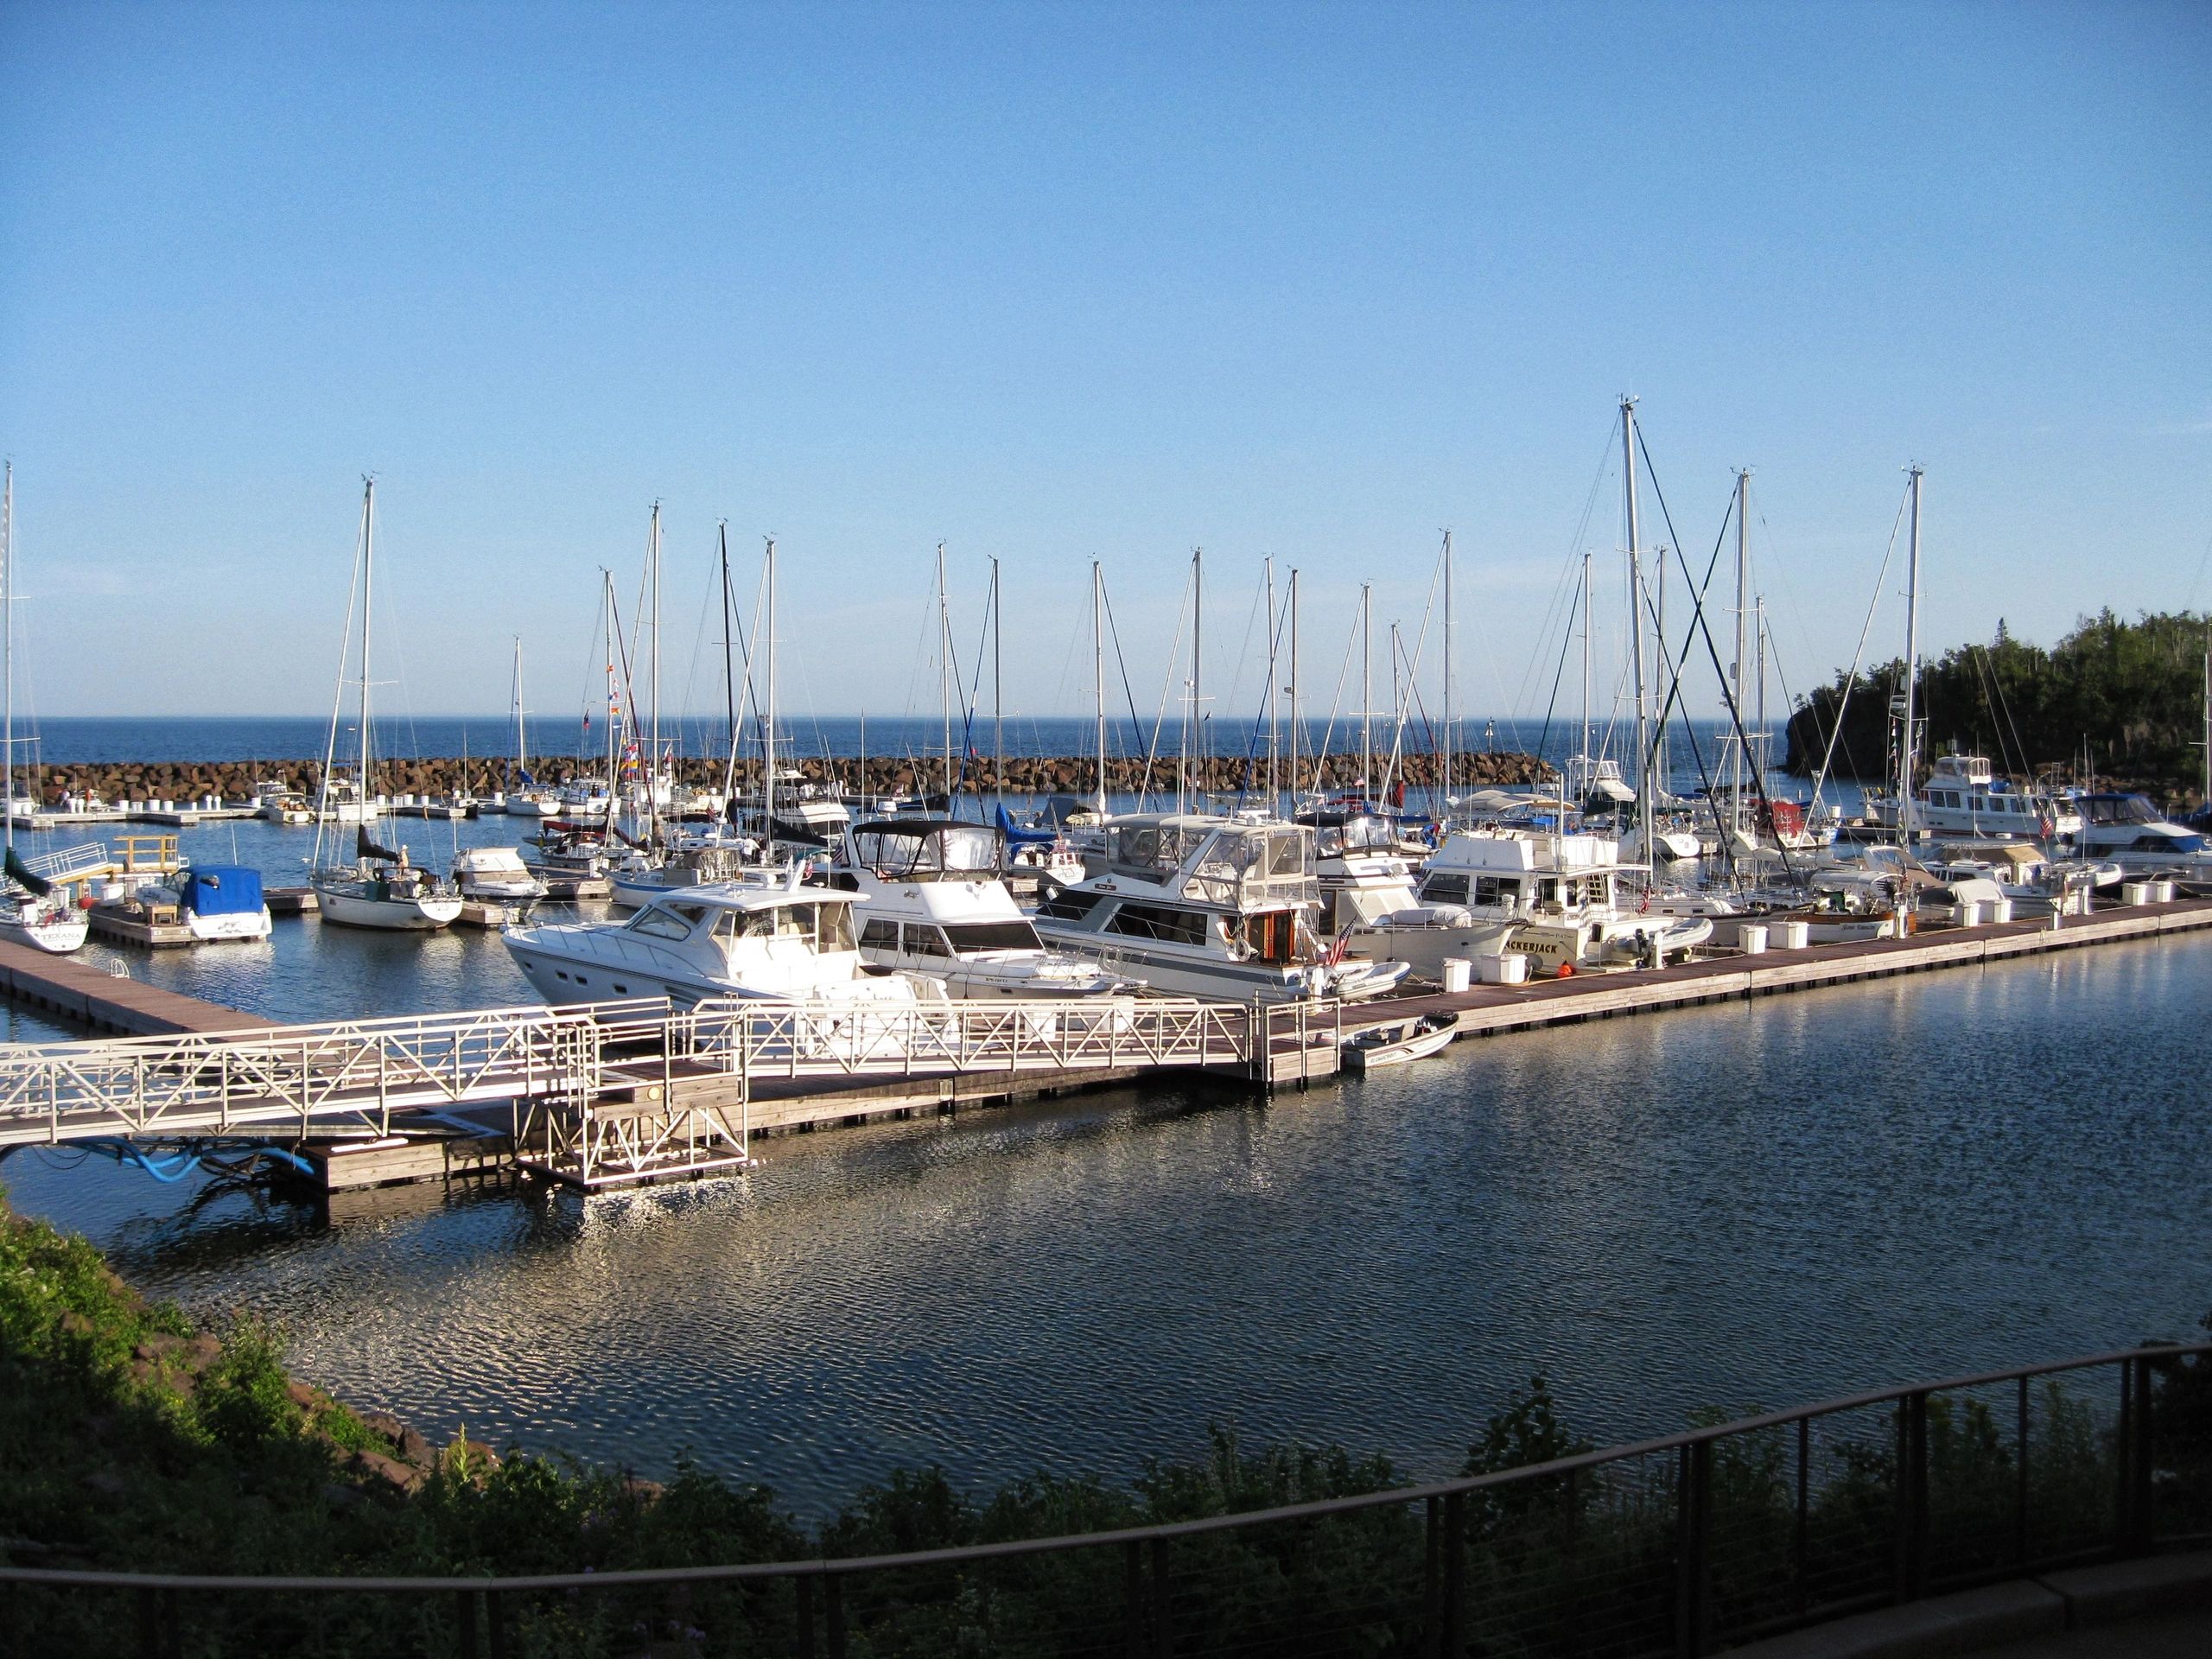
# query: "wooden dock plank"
81,992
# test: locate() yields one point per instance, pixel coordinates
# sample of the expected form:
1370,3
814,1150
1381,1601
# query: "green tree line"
2131,693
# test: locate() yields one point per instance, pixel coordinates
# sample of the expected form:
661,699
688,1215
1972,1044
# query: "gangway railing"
582,1058
71,863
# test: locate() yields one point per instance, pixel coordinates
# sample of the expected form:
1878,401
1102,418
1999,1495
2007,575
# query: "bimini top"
928,849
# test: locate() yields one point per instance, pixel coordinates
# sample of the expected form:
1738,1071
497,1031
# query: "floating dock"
77,991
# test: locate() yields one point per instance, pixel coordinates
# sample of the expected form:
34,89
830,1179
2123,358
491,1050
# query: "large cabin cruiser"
938,904
1964,796
1358,865
777,944
2127,830
1554,899
1198,905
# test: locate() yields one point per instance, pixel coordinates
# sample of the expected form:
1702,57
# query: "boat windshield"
928,852
2119,808
1362,833
827,927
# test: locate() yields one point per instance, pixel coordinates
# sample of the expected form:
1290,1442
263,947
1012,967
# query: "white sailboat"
33,911
380,888
527,800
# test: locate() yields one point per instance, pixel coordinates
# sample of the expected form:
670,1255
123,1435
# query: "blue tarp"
221,889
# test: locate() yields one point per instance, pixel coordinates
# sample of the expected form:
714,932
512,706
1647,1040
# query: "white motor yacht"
216,903
1357,865
780,944
1554,898
938,904
496,875
279,803
1198,905
1964,796
2126,829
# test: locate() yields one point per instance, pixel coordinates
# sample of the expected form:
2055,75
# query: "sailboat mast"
1294,689
368,596
613,694
945,672
8,648
1907,749
1448,742
1588,765
1736,669
998,696
522,747
1098,670
1636,629
1366,691
1274,736
729,667
1759,760
768,726
653,752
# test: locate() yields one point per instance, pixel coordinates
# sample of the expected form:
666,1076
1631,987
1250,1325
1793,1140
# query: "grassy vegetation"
127,1442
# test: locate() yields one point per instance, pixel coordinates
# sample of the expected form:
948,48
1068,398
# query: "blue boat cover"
1017,837
221,889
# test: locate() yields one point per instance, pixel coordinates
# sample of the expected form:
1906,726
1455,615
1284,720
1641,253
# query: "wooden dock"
77,991
1486,1010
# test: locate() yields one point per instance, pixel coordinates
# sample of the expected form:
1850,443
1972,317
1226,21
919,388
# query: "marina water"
1740,1205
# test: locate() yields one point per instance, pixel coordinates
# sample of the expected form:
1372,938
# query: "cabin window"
924,941
1159,922
691,913
879,935
659,924
992,936
1068,905
794,921
1496,890
1287,854
836,933
1445,889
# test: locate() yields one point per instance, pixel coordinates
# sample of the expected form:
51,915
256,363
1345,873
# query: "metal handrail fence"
1680,1545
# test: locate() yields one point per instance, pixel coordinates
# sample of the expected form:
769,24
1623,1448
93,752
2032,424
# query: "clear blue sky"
1048,281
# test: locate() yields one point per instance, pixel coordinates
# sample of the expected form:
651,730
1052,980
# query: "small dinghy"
1400,1043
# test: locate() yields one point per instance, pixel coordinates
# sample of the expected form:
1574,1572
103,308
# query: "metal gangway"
601,1088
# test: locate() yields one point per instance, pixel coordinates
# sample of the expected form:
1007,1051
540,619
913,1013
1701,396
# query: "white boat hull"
399,915
56,936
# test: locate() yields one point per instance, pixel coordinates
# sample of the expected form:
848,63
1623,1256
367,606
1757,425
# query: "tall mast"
1736,669
1294,689
1192,730
1274,736
1447,675
1636,629
998,696
1759,760
944,671
522,746
1907,751
729,667
768,726
652,751
1660,767
1098,670
613,694
1589,766
8,647
1366,691
368,594
2207,725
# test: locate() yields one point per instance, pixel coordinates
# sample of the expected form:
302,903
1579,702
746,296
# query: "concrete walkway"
2173,1635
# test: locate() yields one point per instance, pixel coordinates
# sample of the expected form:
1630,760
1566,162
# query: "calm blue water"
1756,1203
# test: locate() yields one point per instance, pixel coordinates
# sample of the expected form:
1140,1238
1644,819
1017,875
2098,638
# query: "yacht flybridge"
1200,905
777,944
938,904
1553,899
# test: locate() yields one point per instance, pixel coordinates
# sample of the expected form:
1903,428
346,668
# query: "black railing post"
1133,1599
149,1625
2123,1489
1800,1589
1432,1580
805,1584
1163,1623
1571,1565
2141,1462
2020,1489
1911,1577
1693,1536
1455,1574
464,1613
495,1625
833,1615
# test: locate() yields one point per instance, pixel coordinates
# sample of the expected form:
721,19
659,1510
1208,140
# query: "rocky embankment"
885,774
